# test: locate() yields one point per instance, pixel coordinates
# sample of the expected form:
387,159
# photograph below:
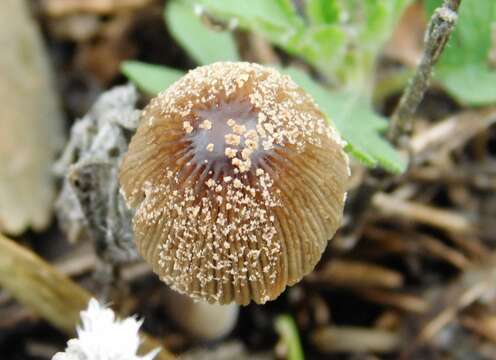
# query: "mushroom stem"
200,319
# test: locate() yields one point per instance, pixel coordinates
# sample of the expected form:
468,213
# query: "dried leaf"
30,120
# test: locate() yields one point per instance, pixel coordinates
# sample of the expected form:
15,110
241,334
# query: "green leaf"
204,45
277,20
152,79
279,13
356,122
379,19
323,11
288,333
473,84
464,67
341,38
371,23
323,43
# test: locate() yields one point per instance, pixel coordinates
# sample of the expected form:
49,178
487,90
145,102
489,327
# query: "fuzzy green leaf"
152,79
356,122
323,11
379,18
275,19
278,22
204,45
341,38
464,67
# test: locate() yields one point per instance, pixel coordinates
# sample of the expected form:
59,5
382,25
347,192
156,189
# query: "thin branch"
438,32
437,35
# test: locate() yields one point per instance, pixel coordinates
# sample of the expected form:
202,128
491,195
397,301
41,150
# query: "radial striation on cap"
237,183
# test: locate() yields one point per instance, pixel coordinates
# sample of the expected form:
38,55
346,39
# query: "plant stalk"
438,32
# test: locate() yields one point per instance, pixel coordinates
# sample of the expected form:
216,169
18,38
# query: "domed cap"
237,181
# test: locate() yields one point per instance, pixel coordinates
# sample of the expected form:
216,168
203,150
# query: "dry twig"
352,274
458,129
472,285
437,35
57,8
354,339
413,211
399,300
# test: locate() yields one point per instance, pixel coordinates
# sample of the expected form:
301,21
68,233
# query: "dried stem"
49,293
331,339
437,35
59,8
438,32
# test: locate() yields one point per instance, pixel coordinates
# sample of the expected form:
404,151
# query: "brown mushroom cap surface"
237,181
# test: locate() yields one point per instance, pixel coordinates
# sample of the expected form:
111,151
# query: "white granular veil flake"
192,225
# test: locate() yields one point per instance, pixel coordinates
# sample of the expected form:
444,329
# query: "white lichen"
102,336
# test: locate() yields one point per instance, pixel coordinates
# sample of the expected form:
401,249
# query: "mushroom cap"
237,183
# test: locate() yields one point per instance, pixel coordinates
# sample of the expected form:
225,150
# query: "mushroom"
237,181
201,320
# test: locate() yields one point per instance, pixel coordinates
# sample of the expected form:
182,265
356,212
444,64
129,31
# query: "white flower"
103,337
